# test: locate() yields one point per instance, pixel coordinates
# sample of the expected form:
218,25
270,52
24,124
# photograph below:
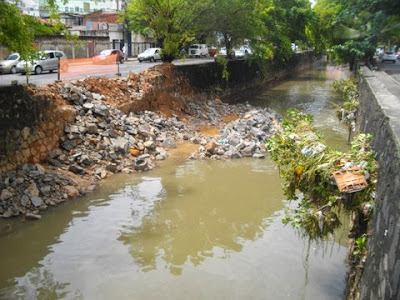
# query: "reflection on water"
187,230
205,208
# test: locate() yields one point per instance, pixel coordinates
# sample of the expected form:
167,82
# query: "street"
88,70
391,69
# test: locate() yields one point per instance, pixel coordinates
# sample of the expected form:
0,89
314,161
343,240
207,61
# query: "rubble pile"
31,189
244,137
103,140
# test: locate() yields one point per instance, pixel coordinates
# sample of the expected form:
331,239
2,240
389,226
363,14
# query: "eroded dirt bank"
125,125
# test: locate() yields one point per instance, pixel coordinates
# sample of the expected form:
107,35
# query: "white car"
45,61
9,64
389,56
198,50
151,54
239,53
246,49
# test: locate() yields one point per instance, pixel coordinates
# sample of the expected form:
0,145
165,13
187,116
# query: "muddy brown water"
186,230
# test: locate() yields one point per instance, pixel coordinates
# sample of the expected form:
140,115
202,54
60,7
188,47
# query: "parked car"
9,64
43,61
151,54
239,53
246,49
198,50
236,53
389,56
221,53
109,57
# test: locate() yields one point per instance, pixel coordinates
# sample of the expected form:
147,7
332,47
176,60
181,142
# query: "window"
76,9
86,7
50,55
59,54
66,9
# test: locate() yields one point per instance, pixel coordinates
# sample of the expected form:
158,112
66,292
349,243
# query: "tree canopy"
353,29
18,31
176,23
171,22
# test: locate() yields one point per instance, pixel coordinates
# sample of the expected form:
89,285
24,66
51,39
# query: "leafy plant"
224,63
307,165
349,109
360,245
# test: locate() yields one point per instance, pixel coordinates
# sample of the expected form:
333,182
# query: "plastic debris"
313,150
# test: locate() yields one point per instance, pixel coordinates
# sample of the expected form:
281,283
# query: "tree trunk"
167,58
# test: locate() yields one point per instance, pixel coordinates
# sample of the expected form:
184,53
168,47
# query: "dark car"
109,56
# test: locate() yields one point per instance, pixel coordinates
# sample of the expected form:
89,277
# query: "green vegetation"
349,30
18,31
269,26
347,112
307,165
13,31
352,30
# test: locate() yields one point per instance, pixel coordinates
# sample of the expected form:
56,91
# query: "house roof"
100,16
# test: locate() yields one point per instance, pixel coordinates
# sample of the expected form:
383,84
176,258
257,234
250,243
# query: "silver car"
44,61
9,64
389,56
151,54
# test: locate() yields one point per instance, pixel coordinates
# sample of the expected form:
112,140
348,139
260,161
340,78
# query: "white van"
198,50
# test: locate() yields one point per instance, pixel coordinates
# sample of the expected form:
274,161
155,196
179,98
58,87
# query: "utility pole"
127,37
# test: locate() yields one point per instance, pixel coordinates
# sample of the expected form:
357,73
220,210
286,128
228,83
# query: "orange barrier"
80,67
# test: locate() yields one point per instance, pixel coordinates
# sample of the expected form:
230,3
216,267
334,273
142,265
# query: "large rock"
101,109
120,144
211,146
32,190
36,201
71,191
6,194
76,169
92,128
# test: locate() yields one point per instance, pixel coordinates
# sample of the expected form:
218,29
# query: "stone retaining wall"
208,77
379,113
30,126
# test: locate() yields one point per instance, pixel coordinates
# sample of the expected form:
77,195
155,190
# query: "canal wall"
379,115
242,75
30,126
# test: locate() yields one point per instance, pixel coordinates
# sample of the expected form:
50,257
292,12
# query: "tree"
18,31
234,20
353,29
171,22
283,23
13,30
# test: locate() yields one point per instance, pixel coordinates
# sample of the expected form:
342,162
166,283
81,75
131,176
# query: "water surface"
186,230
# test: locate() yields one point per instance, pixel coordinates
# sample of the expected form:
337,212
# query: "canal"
186,230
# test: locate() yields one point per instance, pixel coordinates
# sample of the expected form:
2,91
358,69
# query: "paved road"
84,71
393,70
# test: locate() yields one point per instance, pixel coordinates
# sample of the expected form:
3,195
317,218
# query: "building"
95,22
28,7
80,7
